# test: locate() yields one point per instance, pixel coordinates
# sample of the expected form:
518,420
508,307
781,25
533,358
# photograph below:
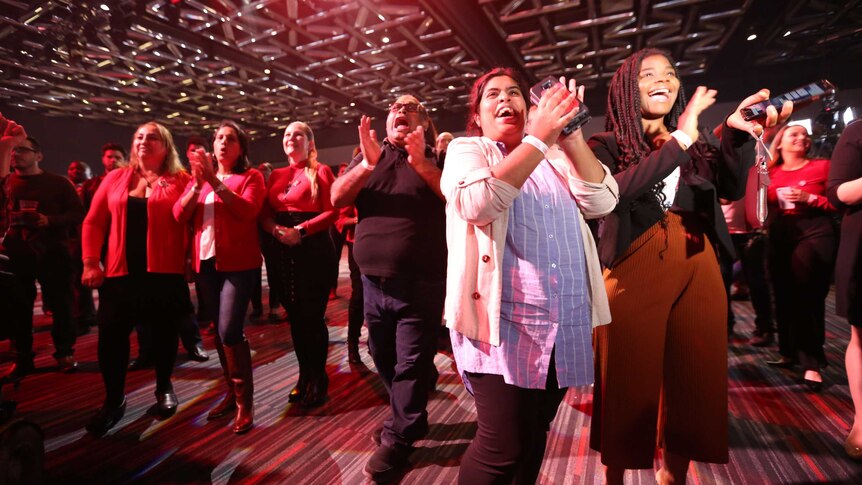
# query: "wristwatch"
302,231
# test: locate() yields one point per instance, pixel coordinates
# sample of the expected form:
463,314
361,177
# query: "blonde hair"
775,147
311,163
171,164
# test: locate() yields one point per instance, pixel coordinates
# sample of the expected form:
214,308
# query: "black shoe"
297,394
140,363
375,435
782,362
199,353
353,356
105,419
166,404
388,463
66,364
317,393
813,385
761,339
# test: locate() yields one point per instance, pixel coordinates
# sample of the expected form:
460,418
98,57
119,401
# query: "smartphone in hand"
579,120
800,97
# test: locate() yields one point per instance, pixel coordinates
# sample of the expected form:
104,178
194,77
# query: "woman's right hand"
703,98
368,142
552,114
92,276
287,235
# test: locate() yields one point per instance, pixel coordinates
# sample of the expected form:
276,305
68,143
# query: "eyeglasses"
407,107
24,149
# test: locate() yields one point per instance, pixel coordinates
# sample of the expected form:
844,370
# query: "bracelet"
302,231
366,165
536,143
221,188
683,139
197,190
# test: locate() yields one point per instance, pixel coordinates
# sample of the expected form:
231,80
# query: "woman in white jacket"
524,286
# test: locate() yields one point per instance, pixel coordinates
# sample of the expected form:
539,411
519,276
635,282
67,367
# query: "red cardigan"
236,235
288,189
166,237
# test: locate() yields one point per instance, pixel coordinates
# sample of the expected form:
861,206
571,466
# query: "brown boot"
228,401
239,366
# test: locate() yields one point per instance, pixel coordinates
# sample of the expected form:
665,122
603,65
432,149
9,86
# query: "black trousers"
355,308
306,278
513,430
751,253
53,269
157,301
801,258
403,315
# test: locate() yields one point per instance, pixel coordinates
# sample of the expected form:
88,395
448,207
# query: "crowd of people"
554,260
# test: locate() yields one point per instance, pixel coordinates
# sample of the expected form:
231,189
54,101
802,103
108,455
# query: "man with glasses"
400,247
42,209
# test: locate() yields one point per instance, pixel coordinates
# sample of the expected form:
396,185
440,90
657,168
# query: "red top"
346,222
811,178
166,237
237,246
289,190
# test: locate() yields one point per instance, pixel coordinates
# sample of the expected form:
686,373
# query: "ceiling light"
451,87
786,33
266,71
105,7
385,39
751,37
579,66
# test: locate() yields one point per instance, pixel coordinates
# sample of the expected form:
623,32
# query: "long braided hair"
624,109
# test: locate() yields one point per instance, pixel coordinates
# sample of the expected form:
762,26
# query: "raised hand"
702,99
415,145
368,142
756,127
202,167
552,114
11,134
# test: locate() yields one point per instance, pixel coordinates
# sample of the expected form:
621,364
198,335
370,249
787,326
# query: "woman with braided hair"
661,365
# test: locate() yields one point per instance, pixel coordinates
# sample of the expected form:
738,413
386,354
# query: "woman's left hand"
287,235
797,195
202,163
757,126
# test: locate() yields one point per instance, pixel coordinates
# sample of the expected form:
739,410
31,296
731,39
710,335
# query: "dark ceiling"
191,63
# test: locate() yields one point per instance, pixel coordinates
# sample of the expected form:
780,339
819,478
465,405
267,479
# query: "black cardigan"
703,180
846,165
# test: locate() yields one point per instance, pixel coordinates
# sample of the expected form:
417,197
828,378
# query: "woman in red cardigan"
224,205
143,279
298,214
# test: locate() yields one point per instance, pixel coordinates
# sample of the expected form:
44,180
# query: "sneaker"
388,463
67,364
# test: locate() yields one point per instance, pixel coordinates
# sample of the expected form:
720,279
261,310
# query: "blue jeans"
404,316
227,294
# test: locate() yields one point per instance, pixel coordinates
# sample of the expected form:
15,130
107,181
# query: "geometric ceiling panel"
191,63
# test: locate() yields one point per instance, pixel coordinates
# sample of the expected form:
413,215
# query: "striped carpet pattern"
780,433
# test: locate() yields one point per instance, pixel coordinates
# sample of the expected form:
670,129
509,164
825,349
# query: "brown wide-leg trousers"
661,365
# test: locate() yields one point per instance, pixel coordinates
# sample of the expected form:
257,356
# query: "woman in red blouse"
143,281
224,205
298,214
802,251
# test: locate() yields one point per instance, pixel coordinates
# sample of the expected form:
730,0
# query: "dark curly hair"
473,128
242,163
624,108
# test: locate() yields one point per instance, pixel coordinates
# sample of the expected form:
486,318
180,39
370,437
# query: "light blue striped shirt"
545,302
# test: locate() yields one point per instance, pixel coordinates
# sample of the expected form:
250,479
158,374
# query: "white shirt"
207,248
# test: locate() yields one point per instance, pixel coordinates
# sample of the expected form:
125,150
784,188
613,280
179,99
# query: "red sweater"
236,235
166,237
811,178
288,189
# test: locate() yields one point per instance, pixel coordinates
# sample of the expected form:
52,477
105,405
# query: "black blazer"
711,168
846,165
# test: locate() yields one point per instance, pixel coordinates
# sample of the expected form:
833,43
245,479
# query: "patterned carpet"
779,431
